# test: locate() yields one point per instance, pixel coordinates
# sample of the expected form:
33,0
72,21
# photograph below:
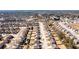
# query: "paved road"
43,35
18,38
70,30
